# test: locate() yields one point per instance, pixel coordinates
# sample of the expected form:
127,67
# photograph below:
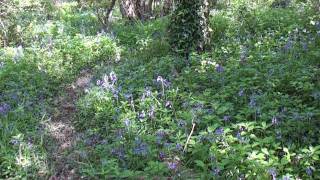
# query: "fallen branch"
189,137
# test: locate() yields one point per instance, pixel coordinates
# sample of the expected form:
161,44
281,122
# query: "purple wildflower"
128,96
99,82
119,152
168,104
182,123
160,79
178,147
273,173
239,137
288,46
127,122
4,109
162,155
215,171
142,115
113,77
212,158
163,81
147,93
252,102
241,93
304,46
151,113
309,171
14,142
140,148
286,178
219,131
219,68
172,165
226,118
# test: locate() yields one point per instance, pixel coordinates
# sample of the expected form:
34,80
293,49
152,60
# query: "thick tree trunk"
205,28
167,7
130,9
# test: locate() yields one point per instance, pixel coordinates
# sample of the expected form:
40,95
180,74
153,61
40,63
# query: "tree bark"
167,7
205,28
128,9
109,10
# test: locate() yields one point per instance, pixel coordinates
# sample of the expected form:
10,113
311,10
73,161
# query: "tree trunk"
131,9
205,28
109,10
167,7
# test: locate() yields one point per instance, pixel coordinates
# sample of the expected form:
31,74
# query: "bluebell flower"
14,142
203,138
309,171
226,118
219,131
239,137
241,93
113,77
212,158
99,82
274,120
182,123
142,115
127,96
219,68
162,155
252,102
215,171
148,92
304,46
179,147
168,104
1,65
151,113
172,165
4,109
210,111
140,148
161,133
127,122
119,152
288,46
163,81
286,178
273,173
159,137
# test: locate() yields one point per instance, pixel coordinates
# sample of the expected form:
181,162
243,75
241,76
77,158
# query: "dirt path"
62,132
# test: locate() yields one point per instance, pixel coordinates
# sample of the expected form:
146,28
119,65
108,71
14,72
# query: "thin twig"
189,137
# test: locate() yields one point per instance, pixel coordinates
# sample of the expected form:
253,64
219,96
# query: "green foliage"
31,76
185,27
250,105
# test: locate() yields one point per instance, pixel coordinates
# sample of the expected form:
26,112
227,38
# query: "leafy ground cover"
248,108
